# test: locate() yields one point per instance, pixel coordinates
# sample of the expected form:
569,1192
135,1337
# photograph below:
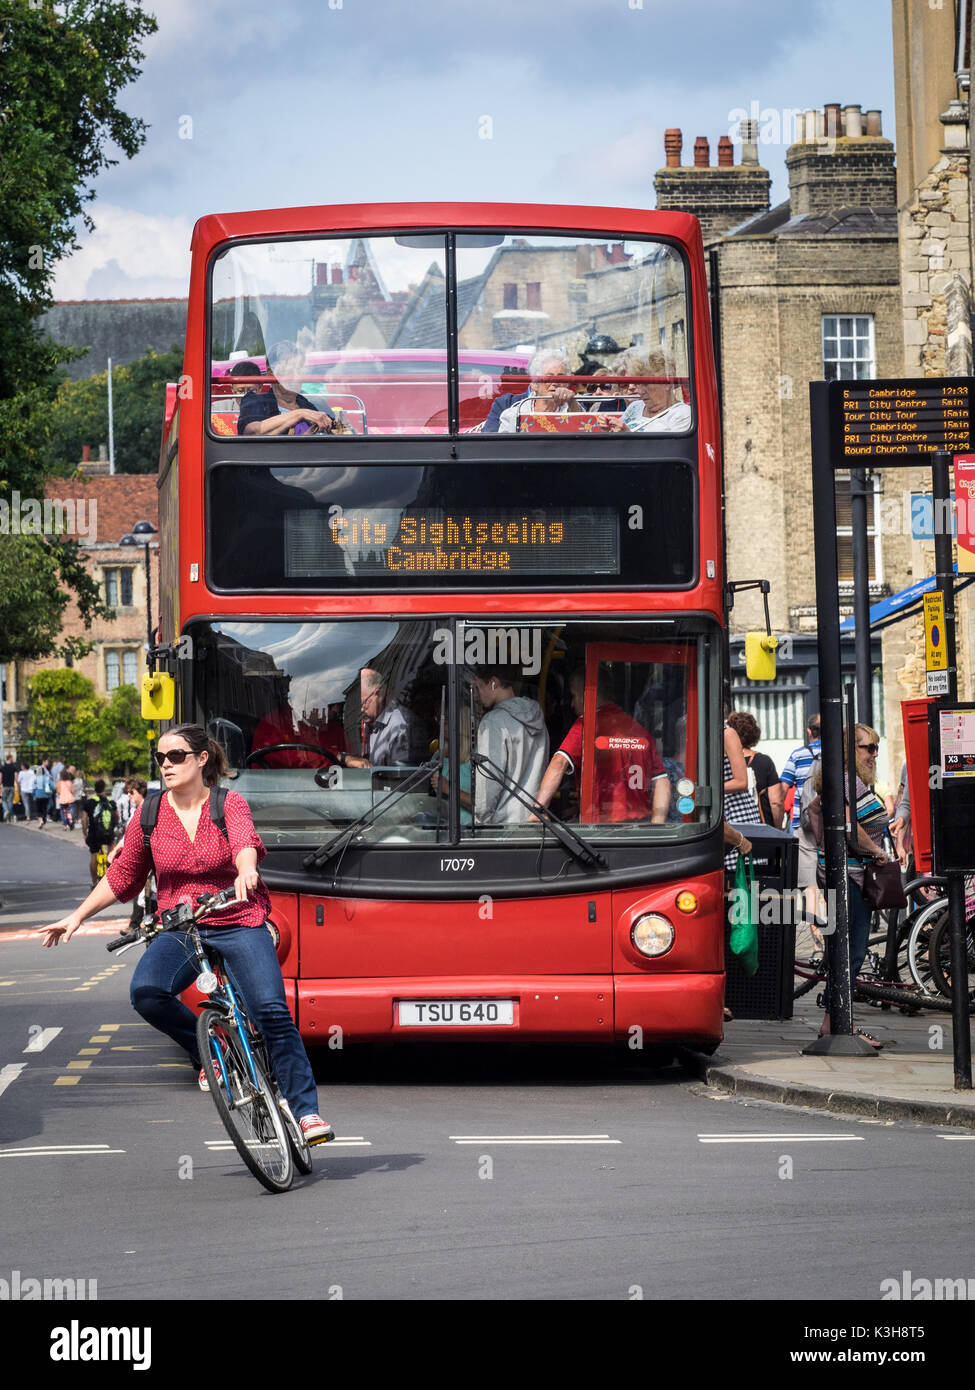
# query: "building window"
844,531
533,295
848,347
511,296
121,668
118,588
779,707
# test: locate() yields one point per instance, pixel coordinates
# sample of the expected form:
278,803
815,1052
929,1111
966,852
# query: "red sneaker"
316,1130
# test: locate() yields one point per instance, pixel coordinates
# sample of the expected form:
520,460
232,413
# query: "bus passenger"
630,781
393,734
652,405
512,734
282,410
505,414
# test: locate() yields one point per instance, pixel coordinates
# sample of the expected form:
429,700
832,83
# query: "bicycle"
939,954
235,1060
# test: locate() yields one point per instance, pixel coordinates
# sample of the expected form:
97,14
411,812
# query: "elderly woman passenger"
653,406
542,396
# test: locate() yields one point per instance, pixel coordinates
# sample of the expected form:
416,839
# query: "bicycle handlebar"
182,915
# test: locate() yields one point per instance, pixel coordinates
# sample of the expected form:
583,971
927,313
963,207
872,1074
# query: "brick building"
104,508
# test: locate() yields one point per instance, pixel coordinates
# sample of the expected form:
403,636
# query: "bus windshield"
349,336
608,722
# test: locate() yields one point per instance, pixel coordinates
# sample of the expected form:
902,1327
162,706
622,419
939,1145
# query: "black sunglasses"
869,747
173,755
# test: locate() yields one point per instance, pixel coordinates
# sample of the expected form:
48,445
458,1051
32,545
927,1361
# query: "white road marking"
349,1141
40,1040
956,1136
780,1138
10,1073
533,1139
60,1151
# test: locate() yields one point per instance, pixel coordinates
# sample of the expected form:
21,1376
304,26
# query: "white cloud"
129,255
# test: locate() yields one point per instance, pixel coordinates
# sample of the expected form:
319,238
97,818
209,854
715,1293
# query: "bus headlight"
652,934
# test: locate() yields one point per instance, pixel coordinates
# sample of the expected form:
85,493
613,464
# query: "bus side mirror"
760,656
158,695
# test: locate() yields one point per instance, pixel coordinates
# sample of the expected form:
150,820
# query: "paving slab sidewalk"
911,1079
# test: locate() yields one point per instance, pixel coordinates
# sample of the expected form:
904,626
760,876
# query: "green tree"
79,414
36,575
65,713
62,68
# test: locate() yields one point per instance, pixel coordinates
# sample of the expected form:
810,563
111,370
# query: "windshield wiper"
571,842
345,837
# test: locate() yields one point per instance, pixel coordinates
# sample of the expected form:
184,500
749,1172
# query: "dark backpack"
104,822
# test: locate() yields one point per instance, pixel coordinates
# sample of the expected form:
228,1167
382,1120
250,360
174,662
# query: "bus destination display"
894,418
431,540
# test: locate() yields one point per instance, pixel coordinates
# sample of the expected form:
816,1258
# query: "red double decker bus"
442,570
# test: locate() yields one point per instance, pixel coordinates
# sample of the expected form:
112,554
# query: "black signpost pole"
944,580
841,1038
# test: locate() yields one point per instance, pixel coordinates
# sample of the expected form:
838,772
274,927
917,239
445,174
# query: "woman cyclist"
191,857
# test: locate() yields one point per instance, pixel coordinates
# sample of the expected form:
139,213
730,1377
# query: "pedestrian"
78,786
65,798
99,825
191,763
25,780
130,803
763,780
8,779
740,807
900,826
871,826
798,767
43,791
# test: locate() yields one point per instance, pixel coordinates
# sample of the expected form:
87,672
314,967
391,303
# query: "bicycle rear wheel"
249,1113
939,954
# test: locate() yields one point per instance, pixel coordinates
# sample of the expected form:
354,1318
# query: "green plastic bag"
743,940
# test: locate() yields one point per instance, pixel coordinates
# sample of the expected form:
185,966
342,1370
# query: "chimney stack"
840,159
720,196
673,141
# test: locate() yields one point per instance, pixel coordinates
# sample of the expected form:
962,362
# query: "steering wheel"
260,753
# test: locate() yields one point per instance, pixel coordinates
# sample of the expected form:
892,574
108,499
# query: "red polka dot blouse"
185,868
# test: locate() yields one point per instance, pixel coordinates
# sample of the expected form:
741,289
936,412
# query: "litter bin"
768,993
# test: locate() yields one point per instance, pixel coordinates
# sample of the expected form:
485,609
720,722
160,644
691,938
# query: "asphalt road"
464,1174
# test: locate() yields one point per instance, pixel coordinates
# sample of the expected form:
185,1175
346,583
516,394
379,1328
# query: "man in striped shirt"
794,774
797,768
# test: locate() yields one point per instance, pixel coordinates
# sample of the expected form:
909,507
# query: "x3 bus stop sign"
883,424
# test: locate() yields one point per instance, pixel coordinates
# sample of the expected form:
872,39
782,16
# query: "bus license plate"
470,1013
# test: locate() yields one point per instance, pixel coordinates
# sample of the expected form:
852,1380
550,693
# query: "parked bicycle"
235,1060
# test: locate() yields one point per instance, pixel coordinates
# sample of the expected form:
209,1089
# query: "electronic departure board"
895,420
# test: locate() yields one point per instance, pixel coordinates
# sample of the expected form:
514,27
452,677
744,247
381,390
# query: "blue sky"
319,101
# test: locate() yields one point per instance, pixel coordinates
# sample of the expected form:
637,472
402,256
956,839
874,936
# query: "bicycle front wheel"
300,1148
245,1101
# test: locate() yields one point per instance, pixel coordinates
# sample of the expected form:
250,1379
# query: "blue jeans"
168,966
8,803
859,934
